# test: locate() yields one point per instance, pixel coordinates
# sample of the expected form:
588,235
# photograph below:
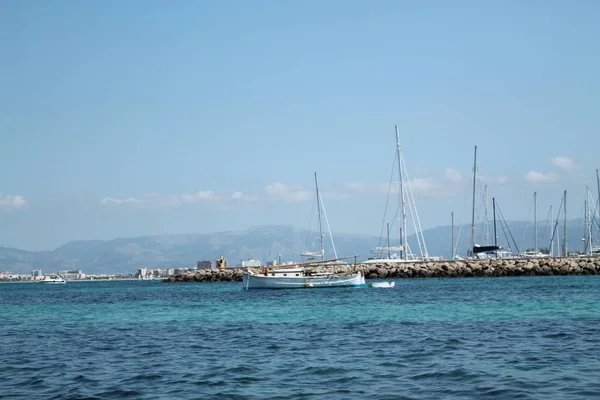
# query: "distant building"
251,263
206,264
36,274
221,262
72,275
141,273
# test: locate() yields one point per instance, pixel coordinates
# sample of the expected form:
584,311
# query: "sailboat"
535,252
402,252
486,251
304,275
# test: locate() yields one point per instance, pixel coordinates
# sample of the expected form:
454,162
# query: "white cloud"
359,187
161,200
338,195
452,174
244,197
564,163
12,201
288,193
494,179
535,176
423,185
428,187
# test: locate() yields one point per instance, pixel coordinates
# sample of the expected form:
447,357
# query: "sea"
458,338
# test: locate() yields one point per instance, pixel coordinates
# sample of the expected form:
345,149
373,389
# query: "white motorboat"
299,277
533,254
383,284
53,279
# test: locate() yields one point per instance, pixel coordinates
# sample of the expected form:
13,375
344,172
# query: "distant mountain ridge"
262,243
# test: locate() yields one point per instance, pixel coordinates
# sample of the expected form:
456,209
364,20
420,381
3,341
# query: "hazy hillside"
264,243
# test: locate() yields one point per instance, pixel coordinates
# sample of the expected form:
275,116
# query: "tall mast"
320,223
588,223
565,246
535,224
495,233
403,237
388,240
585,222
598,199
487,222
452,235
551,249
473,204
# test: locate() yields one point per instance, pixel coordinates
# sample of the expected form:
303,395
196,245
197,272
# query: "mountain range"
125,255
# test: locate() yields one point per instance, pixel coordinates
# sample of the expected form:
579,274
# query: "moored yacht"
53,279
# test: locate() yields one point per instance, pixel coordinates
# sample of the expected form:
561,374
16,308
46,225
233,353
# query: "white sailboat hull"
54,281
255,281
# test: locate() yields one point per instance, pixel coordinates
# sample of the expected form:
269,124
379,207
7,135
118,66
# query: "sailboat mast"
320,222
487,222
388,240
598,198
473,203
403,238
588,223
452,235
495,233
565,246
551,249
535,224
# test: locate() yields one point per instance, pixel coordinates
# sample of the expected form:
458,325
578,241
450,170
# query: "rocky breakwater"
482,268
208,275
439,269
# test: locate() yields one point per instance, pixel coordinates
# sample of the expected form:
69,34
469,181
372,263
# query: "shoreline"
546,266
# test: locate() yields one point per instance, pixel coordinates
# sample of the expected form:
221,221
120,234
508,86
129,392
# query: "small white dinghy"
390,284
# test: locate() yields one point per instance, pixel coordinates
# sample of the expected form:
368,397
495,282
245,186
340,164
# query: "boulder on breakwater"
438,269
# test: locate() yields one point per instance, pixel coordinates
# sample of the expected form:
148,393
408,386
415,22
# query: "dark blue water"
513,338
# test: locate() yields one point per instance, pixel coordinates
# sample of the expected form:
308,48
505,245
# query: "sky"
152,117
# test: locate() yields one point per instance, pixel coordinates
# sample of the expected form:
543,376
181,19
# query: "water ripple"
517,338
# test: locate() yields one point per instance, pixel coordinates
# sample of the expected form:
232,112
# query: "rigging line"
387,201
595,220
505,229
509,232
482,210
548,221
308,234
556,224
329,229
415,215
527,226
462,215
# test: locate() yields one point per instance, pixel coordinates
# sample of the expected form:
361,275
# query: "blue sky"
148,117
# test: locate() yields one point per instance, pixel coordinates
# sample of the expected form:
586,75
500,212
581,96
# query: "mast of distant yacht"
588,223
453,235
403,236
319,216
565,245
485,216
535,224
598,199
551,249
473,204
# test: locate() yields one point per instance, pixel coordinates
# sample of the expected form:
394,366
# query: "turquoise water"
513,338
